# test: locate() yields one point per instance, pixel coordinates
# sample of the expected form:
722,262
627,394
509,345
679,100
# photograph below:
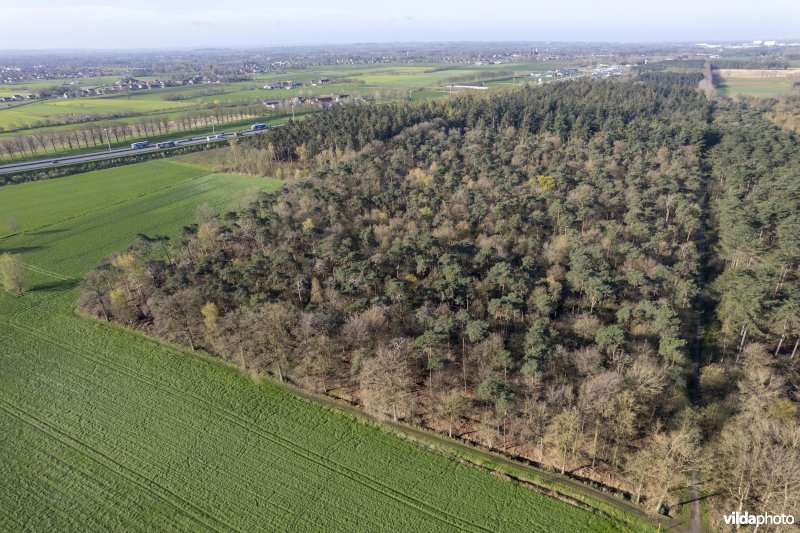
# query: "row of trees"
517,268
100,133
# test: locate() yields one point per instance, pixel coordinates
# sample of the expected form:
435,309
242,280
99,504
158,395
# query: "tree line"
98,135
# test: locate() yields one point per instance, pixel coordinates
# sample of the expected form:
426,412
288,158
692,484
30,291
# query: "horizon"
780,41
44,25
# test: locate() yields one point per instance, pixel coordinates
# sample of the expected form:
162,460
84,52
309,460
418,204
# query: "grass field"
391,81
39,110
766,87
103,428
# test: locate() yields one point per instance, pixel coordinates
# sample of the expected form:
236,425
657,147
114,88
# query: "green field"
755,86
385,81
103,428
28,114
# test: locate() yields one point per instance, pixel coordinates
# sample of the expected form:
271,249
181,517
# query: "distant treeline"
688,80
755,63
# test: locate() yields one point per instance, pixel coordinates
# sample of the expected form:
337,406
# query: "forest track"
699,308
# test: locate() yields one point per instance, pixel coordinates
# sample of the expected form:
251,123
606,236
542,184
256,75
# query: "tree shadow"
56,286
18,249
698,499
47,232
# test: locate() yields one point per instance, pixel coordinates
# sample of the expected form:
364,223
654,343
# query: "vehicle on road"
256,127
166,144
140,144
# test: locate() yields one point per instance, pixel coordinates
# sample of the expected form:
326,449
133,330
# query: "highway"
56,162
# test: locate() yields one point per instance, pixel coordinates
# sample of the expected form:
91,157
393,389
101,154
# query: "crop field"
28,114
423,94
766,87
391,81
104,428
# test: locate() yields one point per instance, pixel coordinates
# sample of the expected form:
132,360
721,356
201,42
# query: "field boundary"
572,492
550,484
757,73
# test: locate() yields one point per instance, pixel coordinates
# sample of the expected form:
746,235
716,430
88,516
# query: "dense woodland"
528,270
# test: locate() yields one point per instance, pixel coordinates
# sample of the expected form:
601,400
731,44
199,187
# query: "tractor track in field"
163,493
293,447
35,229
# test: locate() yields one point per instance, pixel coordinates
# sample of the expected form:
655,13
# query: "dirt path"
696,522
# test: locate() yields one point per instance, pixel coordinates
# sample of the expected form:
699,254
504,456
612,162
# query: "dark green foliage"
516,246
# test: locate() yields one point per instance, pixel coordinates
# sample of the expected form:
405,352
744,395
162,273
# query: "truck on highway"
256,127
140,144
166,144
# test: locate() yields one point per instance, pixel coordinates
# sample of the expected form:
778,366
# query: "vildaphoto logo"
763,519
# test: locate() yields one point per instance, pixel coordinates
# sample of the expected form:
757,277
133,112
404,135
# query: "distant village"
124,85
130,84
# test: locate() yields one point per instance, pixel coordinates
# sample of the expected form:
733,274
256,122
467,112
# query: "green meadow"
756,86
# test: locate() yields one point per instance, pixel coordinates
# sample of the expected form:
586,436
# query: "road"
55,162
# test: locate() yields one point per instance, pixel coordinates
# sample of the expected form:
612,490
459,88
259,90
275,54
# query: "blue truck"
256,127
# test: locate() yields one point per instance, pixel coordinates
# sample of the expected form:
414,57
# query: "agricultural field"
105,428
390,81
28,114
751,82
765,87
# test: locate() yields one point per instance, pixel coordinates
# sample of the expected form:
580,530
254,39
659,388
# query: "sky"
114,24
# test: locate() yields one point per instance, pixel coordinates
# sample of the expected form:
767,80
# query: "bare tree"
12,272
387,379
178,317
450,406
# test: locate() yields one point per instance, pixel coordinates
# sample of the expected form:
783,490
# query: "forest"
599,276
